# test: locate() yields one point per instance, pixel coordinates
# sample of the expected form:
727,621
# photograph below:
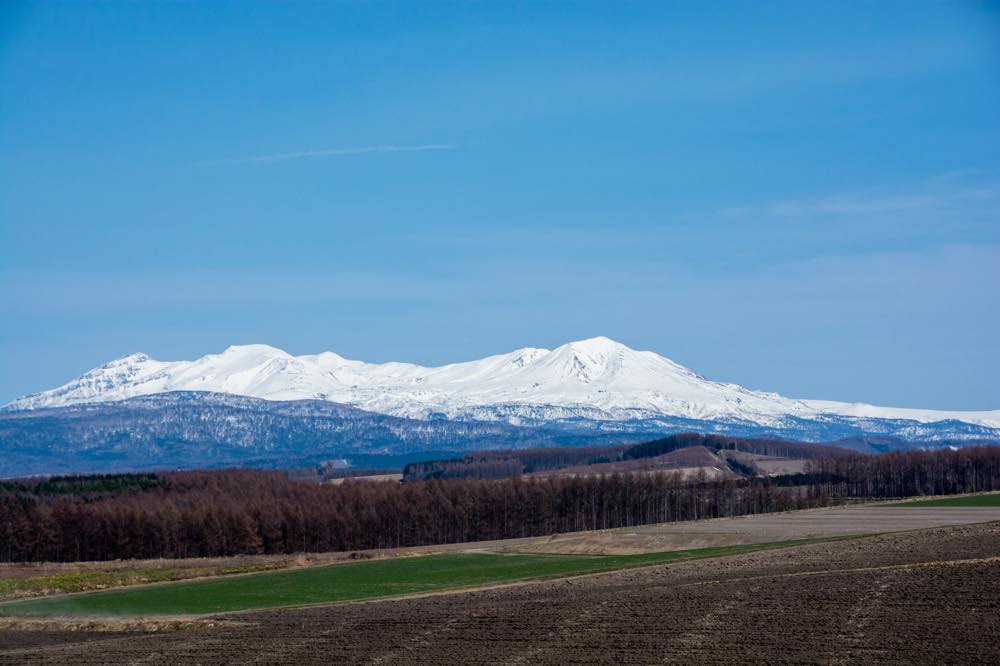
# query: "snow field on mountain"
596,378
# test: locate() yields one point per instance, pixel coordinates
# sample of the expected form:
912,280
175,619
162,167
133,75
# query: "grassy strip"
89,581
353,582
992,499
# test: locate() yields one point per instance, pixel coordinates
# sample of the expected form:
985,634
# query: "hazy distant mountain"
200,429
596,380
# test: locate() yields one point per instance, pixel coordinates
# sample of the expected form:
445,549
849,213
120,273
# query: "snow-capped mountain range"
593,380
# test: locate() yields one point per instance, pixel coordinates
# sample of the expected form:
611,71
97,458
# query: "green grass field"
993,499
349,582
85,581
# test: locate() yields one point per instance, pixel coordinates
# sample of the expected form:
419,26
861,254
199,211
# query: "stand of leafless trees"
229,512
191,514
944,472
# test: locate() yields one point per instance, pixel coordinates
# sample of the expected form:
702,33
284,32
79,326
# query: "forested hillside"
498,464
204,430
768,447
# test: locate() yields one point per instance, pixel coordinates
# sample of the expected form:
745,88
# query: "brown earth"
923,597
31,569
688,461
374,477
836,521
782,466
767,464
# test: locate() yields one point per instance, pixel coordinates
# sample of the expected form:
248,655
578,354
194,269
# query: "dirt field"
374,477
930,596
687,461
865,519
768,464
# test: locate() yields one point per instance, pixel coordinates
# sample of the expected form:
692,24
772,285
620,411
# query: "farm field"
811,523
348,582
926,596
31,579
45,578
984,500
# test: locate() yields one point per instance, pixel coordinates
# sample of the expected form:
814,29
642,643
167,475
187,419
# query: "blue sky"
799,197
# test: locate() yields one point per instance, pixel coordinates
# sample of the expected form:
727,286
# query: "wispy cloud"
937,194
334,152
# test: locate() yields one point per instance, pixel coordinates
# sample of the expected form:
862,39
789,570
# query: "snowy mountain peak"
137,357
588,360
597,345
597,378
255,350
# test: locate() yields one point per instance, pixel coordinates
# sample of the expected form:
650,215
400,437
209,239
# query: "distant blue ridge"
184,430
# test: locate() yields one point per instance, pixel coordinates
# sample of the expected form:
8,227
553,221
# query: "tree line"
229,512
914,473
497,464
503,463
766,447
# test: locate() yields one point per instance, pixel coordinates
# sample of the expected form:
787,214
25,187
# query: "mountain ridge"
596,379
199,429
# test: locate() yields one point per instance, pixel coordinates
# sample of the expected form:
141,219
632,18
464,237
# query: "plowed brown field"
930,596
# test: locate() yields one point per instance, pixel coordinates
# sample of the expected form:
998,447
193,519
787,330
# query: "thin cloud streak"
922,199
335,152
